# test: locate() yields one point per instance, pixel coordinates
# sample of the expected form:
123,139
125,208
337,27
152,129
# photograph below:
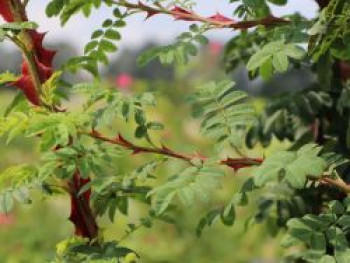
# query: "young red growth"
37,67
81,215
42,57
5,11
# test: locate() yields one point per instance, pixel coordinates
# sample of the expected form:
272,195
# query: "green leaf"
278,2
97,34
22,195
7,77
112,34
207,220
107,46
228,215
6,203
155,126
318,242
54,8
279,52
257,60
141,132
294,167
90,46
327,259
190,183
147,56
280,62
266,70
336,207
336,238
19,25
107,23
140,117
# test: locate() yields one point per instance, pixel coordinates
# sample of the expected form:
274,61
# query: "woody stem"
18,10
191,16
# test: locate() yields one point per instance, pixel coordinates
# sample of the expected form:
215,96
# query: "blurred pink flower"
7,219
123,81
215,48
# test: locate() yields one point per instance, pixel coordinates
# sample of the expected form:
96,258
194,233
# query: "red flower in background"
124,81
215,48
7,219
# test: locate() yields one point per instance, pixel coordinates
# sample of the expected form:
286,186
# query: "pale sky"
158,28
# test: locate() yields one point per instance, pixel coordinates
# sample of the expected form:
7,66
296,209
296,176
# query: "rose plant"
303,188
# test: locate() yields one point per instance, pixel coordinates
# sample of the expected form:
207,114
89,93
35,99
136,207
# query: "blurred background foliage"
30,233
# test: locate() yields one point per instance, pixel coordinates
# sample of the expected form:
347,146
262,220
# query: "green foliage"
226,115
321,232
101,44
7,77
190,183
292,167
226,214
303,187
288,116
330,33
179,52
284,40
65,9
16,183
116,105
9,30
76,250
274,56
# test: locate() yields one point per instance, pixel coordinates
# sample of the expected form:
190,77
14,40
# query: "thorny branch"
234,163
215,21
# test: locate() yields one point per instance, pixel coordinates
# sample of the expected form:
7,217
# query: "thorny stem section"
120,141
81,213
234,163
182,14
28,52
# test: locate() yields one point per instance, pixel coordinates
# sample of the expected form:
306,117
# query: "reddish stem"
234,163
36,69
217,21
81,214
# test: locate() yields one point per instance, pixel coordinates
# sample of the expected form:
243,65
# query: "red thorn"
123,140
43,60
166,148
136,151
150,14
95,133
180,12
239,163
5,11
45,56
221,18
25,84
